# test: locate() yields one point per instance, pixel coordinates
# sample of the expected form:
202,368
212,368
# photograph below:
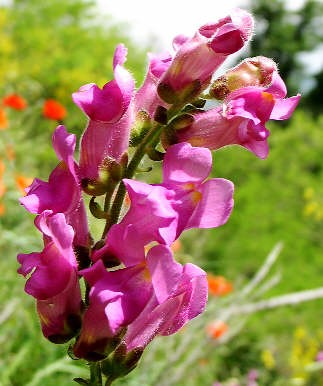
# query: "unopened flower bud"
197,58
256,71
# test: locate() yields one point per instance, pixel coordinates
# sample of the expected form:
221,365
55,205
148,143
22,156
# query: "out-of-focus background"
48,49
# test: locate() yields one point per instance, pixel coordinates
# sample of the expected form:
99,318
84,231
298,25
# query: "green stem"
111,186
96,375
109,381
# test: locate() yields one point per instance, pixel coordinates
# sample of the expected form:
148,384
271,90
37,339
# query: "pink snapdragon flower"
199,57
147,98
53,279
62,192
161,212
118,298
110,117
241,119
180,294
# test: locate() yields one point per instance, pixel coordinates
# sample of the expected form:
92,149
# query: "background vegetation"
48,50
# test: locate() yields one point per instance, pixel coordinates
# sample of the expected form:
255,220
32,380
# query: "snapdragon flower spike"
62,192
242,118
199,57
162,212
146,98
53,279
180,294
110,117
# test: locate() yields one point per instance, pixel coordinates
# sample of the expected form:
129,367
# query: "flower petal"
165,272
186,164
215,206
284,108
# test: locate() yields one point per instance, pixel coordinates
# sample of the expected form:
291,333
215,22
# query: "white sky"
162,20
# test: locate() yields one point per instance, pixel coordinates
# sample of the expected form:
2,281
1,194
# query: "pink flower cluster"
134,288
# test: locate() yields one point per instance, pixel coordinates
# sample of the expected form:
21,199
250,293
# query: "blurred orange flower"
216,329
2,209
2,168
3,120
54,110
10,152
3,187
219,285
22,182
14,101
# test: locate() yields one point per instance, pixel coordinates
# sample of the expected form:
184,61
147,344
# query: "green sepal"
154,154
181,121
70,353
96,210
140,129
199,103
166,93
168,137
93,187
120,363
161,115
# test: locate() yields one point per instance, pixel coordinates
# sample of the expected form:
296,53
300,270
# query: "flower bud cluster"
135,289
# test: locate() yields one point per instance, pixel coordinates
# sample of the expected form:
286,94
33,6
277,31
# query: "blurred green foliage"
284,34
49,49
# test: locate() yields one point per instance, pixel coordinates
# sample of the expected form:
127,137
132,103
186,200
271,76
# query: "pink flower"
199,57
242,118
151,217
116,299
62,192
147,98
109,111
53,279
200,203
161,212
158,295
180,294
